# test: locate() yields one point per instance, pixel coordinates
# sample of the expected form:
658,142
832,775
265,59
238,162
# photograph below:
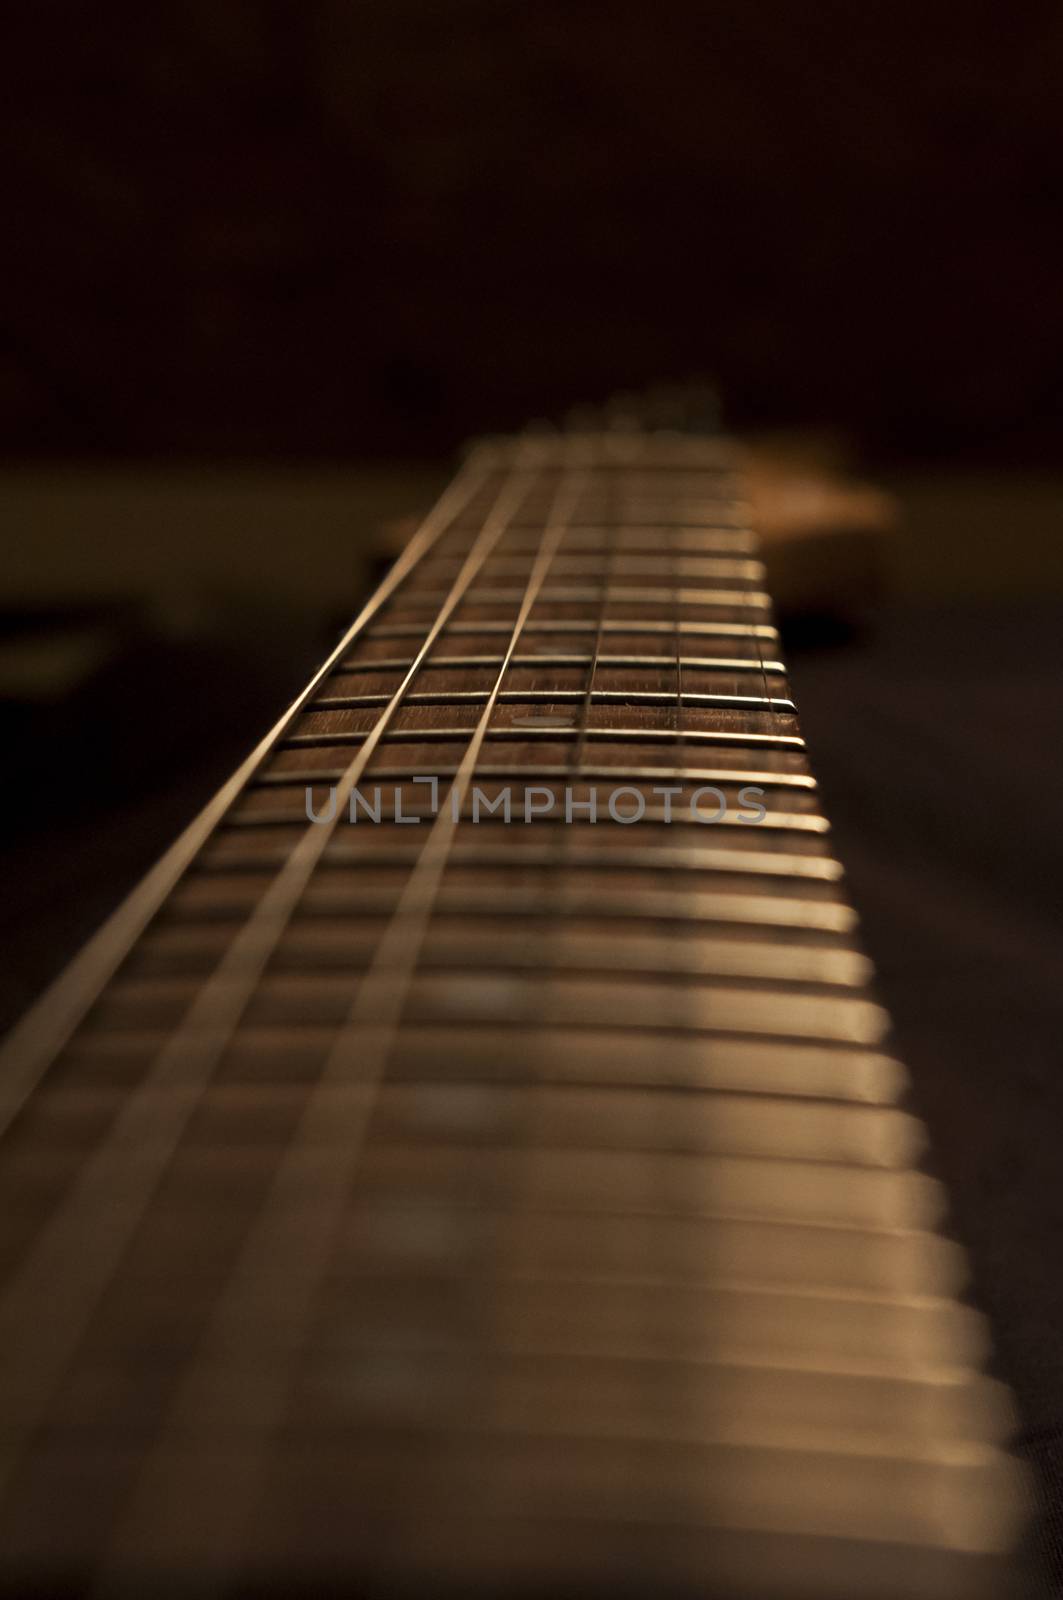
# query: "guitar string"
81,1247
576,762
332,1128
271,1292
677,1370
573,767
37,1039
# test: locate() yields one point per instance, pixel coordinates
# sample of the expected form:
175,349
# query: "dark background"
318,228
265,265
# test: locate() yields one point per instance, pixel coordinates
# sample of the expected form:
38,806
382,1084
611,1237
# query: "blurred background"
268,262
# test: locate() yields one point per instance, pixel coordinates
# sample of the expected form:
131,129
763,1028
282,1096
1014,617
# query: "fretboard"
472,1161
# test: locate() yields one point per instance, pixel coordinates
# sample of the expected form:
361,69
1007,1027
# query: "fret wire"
658,524
556,848
448,663
637,697
754,741
562,847
362,1044
398,949
588,689
671,546
717,541
758,910
710,565
709,630
795,822
500,858
562,850
82,1246
600,632
706,775
738,599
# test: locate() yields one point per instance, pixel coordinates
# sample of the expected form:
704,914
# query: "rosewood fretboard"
456,1205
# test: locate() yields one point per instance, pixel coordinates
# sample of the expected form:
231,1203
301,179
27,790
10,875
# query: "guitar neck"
473,1158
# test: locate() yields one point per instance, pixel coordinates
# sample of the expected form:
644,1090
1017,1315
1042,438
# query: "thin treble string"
81,1247
400,946
561,850
418,899
286,1257
586,707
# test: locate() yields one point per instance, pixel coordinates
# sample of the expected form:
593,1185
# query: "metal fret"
741,863
635,519
774,822
184,947
635,542
633,697
582,1002
760,910
663,1249
723,776
715,630
627,565
458,663
561,998
572,594
752,741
